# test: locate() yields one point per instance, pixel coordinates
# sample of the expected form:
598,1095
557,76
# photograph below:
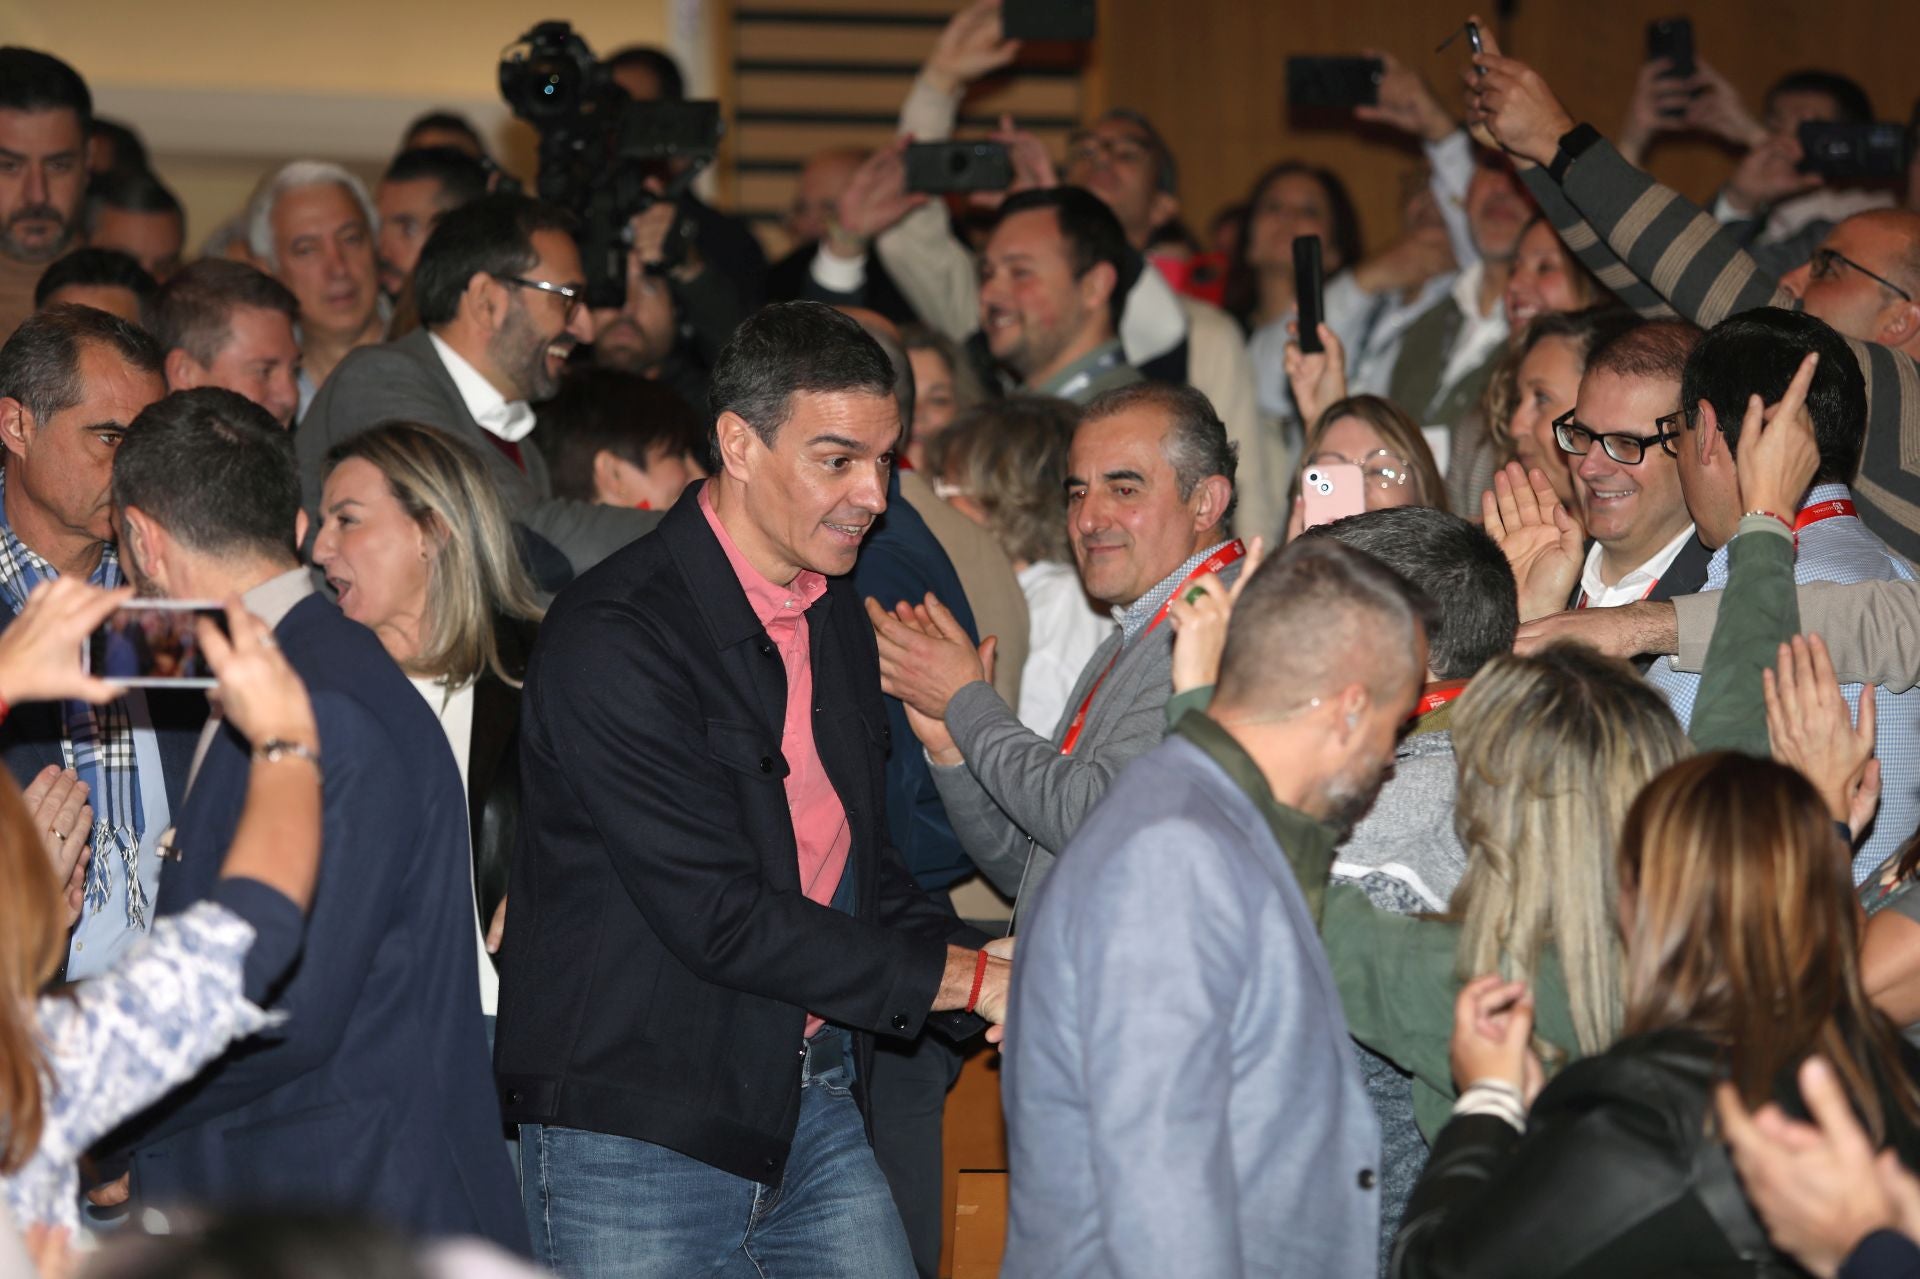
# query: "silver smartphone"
154,644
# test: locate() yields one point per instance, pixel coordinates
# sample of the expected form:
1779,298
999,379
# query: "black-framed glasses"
574,295
1628,450
1383,468
1825,264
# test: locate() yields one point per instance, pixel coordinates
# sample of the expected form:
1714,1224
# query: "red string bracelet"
979,979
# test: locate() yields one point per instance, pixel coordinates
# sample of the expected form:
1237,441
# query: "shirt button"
766,763
1366,1179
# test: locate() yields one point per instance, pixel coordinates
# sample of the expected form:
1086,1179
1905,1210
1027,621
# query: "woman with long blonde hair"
1742,959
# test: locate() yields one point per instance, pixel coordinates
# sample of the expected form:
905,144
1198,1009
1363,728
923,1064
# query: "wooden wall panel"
1210,74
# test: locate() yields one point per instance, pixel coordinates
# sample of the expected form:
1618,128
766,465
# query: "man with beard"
1180,1096
45,112
1149,492
502,300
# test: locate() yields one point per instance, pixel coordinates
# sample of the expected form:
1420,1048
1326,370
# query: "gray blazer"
1016,784
1180,1094
405,380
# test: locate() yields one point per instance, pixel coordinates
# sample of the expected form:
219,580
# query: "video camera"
599,149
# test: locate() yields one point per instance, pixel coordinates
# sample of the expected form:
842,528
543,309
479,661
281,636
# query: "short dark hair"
1294,628
131,191
107,268
129,151
461,177
784,349
1757,352
1649,349
1849,98
1586,331
1092,233
215,471
617,412
34,81
194,310
1455,565
40,363
1198,445
489,236
445,122
673,82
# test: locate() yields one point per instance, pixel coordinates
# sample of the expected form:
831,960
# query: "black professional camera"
599,149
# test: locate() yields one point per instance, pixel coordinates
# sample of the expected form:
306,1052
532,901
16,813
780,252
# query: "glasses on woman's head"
1382,468
1628,450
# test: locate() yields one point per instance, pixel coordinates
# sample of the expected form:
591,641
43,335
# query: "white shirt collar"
1634,586
1480,335
512,421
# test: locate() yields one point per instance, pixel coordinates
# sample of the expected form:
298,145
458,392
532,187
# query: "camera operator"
723,242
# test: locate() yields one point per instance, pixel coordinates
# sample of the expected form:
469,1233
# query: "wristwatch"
1573,144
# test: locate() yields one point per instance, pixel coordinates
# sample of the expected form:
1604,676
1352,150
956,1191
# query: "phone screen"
153,644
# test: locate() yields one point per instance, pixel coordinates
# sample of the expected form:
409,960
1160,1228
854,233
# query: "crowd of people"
656,745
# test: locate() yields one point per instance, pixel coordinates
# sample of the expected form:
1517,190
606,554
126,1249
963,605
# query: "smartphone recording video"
1333,84
153,644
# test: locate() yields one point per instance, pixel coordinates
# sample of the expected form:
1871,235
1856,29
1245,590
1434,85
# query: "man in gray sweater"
1149,492
1180,1096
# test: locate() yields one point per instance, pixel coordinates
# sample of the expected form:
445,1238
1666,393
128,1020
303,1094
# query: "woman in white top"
417,546
1004,464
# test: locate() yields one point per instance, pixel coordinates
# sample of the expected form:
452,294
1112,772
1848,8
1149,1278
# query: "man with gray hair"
1189,1105
1149,492
312,227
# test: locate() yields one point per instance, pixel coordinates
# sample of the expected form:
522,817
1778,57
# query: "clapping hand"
57,804
1523,515
1812,730
1200,615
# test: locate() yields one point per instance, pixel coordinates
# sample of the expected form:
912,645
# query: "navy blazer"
661,957
375,1096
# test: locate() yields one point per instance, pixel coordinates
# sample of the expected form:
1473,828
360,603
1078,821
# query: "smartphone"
1047,19
940,167
1333,83
1307,292
1858,151
1329,493
1473,37
1672,39
153,644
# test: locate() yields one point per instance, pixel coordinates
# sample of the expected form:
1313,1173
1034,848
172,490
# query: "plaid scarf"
95,741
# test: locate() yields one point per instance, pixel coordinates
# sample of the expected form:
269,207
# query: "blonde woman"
1395,461
417,547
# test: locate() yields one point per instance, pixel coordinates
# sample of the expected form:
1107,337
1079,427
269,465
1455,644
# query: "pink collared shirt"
820,827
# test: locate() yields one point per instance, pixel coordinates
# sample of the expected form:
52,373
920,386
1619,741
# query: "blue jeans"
606,1207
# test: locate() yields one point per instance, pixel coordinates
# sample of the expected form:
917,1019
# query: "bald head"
816,195
1864,280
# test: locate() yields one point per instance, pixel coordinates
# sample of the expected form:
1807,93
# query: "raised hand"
1542,543
40,652
1659,105
1406,102
1778,453
1200,615
876,197
260,694
1812,729
1316,380
1769,173
971,46
1514,103
1716,108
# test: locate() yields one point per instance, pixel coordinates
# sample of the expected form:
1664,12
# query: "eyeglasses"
1628,450
1825,264
1382,468
1092,148
574,295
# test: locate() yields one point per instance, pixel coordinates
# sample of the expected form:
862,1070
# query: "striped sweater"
1662,255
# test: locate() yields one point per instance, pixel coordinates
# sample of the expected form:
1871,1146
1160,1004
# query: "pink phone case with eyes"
1329,493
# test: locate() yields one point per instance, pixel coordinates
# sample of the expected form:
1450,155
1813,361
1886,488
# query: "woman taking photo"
417,547
1396,466
1742,959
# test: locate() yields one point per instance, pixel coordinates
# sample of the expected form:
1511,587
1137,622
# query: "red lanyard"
1438,695
1232,553
1831,509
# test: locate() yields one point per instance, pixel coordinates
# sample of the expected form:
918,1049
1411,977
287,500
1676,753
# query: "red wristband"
979,979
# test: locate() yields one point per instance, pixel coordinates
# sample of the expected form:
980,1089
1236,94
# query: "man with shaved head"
816,266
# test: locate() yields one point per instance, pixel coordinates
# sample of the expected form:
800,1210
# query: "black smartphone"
1047,19
1333,83
1307,292
1672,39
154,644
1856,151
940,167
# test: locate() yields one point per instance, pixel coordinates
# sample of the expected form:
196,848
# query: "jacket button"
513,1096
772,1164
899,1021
766,649
1366,1179
766,763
